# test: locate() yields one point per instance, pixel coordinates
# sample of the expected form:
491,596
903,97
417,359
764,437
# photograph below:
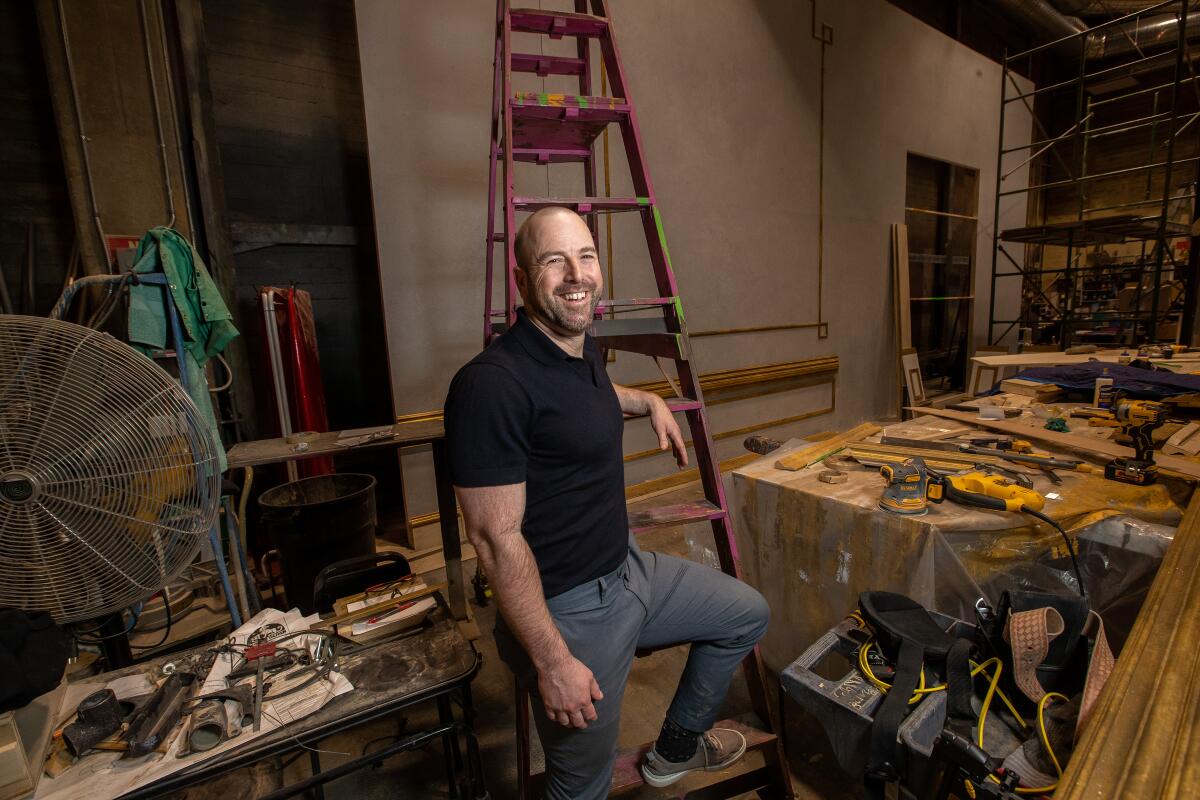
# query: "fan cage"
108,471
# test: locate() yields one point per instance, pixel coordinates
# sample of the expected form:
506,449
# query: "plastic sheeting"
812,547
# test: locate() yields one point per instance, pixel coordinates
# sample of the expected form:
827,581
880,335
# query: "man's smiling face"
560,278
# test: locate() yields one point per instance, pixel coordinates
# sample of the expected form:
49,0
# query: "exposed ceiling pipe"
1049,24
1138,34
1105,8
1043,19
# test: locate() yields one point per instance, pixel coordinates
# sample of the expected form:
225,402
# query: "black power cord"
1070,545
166,631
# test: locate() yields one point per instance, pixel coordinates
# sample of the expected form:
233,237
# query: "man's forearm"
634,401
515,579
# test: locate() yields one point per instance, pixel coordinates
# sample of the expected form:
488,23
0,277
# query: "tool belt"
1034,649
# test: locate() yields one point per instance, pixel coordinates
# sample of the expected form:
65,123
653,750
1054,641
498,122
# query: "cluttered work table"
349,686
814,536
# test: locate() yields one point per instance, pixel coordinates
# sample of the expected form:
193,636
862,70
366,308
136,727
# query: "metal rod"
158,126
1004,79
407,743
83,138
1121,97
1152,331
1085,77
275,356
214,538
1048,146
1095,132
235,555
942,213
756,329
1102,175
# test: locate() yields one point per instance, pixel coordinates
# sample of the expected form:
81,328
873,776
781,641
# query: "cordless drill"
1137,418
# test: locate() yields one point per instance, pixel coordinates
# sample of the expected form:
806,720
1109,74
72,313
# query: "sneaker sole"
659,781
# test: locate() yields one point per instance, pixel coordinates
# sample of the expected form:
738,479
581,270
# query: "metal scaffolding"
1103,272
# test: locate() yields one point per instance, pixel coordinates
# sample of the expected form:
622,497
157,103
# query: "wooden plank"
1144,732
1101,449
1044,392
272,451
802,458
900,273
931,455
1033,359
210,184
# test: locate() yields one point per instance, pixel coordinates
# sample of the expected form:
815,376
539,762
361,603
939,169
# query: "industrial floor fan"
109,478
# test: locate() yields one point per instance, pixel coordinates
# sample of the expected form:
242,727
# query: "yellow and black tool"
1137,418
980,489
907,484
911,486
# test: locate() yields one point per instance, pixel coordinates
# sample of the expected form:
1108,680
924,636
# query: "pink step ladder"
542,128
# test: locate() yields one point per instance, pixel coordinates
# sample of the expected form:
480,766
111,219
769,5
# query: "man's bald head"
527,234
558,271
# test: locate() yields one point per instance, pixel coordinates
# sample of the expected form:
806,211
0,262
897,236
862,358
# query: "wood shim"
1100,449
800,459
900,287
1140,740
901,306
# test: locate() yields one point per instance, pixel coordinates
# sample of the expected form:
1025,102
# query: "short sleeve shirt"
524,410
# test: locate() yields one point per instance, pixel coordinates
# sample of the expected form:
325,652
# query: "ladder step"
556,23
627,776
582,205
677,514
550,155
679,404
547,65
552,128
634,304
498,236
554,105
646,335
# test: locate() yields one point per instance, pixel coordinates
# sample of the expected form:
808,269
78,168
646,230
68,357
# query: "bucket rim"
263,499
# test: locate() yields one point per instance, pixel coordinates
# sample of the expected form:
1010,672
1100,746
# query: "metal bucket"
316,521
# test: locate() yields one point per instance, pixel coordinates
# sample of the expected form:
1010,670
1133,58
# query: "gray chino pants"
650,601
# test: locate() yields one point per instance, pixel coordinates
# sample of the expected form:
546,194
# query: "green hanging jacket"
203,315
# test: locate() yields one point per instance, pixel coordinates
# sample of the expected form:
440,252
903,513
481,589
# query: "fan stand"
114,641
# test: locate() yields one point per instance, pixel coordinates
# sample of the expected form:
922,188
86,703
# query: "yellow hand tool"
985,491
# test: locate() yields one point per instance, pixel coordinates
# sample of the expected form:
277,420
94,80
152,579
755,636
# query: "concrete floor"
420,775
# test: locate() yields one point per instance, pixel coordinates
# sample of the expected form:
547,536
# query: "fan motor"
17,487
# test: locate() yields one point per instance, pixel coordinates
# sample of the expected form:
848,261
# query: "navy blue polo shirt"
524,410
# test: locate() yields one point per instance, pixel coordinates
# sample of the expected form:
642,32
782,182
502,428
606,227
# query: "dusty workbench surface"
811,547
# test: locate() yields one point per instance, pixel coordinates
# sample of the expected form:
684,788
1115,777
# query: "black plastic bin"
316,521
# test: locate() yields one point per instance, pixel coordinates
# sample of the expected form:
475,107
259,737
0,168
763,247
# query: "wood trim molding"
749,376
712,382
1144,732
687,476
758,426
420,416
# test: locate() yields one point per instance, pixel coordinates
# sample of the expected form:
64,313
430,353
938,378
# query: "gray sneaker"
719,747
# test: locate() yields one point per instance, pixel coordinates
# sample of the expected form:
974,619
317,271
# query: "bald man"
535,429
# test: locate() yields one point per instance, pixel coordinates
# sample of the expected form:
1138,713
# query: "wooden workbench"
402,434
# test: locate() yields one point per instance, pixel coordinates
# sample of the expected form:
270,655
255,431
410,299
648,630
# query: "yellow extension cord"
993,690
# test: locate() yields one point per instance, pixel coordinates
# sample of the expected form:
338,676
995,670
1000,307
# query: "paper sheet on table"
105,774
